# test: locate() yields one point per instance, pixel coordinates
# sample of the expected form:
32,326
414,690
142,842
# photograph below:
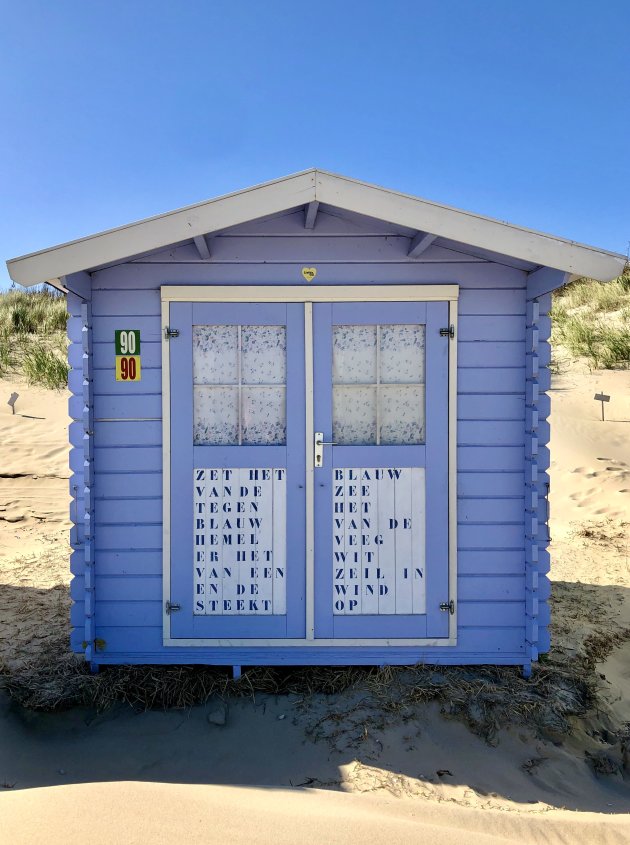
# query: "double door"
308,471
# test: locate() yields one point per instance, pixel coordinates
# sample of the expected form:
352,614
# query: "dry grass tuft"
591,320
32,336
603,532
364,699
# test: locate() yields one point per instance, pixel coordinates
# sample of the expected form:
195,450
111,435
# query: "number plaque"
127,343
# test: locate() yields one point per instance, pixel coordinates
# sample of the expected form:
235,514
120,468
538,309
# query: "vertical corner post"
537,383
88,481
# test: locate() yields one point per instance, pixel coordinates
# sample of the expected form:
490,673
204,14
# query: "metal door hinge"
448,606
171,607
449,331
169,332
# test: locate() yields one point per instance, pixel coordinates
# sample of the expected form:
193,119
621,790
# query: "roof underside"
425,223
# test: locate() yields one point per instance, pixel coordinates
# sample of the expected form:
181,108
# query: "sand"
269,774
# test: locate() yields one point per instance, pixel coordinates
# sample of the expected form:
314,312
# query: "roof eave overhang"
275,197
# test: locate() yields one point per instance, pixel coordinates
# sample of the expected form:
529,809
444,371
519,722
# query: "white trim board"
166,473
298,191
309,295
294,643
304,293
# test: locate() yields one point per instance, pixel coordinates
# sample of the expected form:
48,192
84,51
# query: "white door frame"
309,295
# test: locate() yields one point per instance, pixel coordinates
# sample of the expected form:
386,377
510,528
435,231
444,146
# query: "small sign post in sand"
602,397
12,400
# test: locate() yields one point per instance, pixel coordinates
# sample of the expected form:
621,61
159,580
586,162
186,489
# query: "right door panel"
381,491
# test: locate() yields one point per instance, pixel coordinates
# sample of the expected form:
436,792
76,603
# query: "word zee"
378,534
127,342
239,536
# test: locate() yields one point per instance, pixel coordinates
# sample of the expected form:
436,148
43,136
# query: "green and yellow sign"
127,343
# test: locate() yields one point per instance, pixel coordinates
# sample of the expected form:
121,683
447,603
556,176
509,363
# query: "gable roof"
300,189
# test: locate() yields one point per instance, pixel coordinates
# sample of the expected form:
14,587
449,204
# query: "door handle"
319,447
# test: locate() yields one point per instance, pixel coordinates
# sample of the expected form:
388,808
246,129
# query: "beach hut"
310,426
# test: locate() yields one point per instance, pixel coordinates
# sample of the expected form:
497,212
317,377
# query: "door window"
239,378
378,384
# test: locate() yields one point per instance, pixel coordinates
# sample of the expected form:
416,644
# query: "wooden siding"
497,611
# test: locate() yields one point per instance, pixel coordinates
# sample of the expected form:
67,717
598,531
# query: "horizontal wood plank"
491,328
490,353
127,511
475,484
129,562
128,537
129,459
128,406
490,562
490,510
151,275
490,536
490,614
491,458
133,483
491,380
477,642
490,433
128,433
488,406
504,302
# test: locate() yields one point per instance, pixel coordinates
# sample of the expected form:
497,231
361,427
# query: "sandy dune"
269,774
139,813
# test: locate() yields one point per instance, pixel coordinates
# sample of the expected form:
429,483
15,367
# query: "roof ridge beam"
310,214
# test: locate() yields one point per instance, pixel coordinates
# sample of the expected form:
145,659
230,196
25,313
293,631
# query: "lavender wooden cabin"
310,426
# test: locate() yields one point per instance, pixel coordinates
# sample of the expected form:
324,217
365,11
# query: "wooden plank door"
381,492
237,545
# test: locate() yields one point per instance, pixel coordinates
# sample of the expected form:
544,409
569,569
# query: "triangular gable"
306,189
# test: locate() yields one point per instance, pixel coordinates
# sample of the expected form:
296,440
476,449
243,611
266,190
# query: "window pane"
264,351
402,414
215,355
402,354
354,415
264,416
354,354
215,416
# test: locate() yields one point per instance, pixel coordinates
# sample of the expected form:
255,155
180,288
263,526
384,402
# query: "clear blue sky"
114,110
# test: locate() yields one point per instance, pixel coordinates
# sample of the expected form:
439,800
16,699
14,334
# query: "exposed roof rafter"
202,247
420,244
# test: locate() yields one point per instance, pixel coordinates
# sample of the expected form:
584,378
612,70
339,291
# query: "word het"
378,541
239,542
127,343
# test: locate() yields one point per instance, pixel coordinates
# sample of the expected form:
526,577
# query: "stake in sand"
602,397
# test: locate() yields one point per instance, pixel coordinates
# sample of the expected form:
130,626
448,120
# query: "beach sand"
282,769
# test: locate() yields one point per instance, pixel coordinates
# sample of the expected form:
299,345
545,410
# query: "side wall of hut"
502,431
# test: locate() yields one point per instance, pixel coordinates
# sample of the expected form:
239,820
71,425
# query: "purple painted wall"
503,355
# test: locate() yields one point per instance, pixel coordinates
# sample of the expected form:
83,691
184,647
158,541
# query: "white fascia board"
466,227
159,232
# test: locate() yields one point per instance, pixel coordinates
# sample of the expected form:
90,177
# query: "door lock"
319,447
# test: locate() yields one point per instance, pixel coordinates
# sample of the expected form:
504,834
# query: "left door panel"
237,454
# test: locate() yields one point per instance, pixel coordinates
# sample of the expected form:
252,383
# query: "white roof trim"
270,198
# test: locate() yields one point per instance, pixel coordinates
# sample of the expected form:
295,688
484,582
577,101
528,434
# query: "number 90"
128,343
128,369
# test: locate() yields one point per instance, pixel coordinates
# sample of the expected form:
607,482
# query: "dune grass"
591,320
32,337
